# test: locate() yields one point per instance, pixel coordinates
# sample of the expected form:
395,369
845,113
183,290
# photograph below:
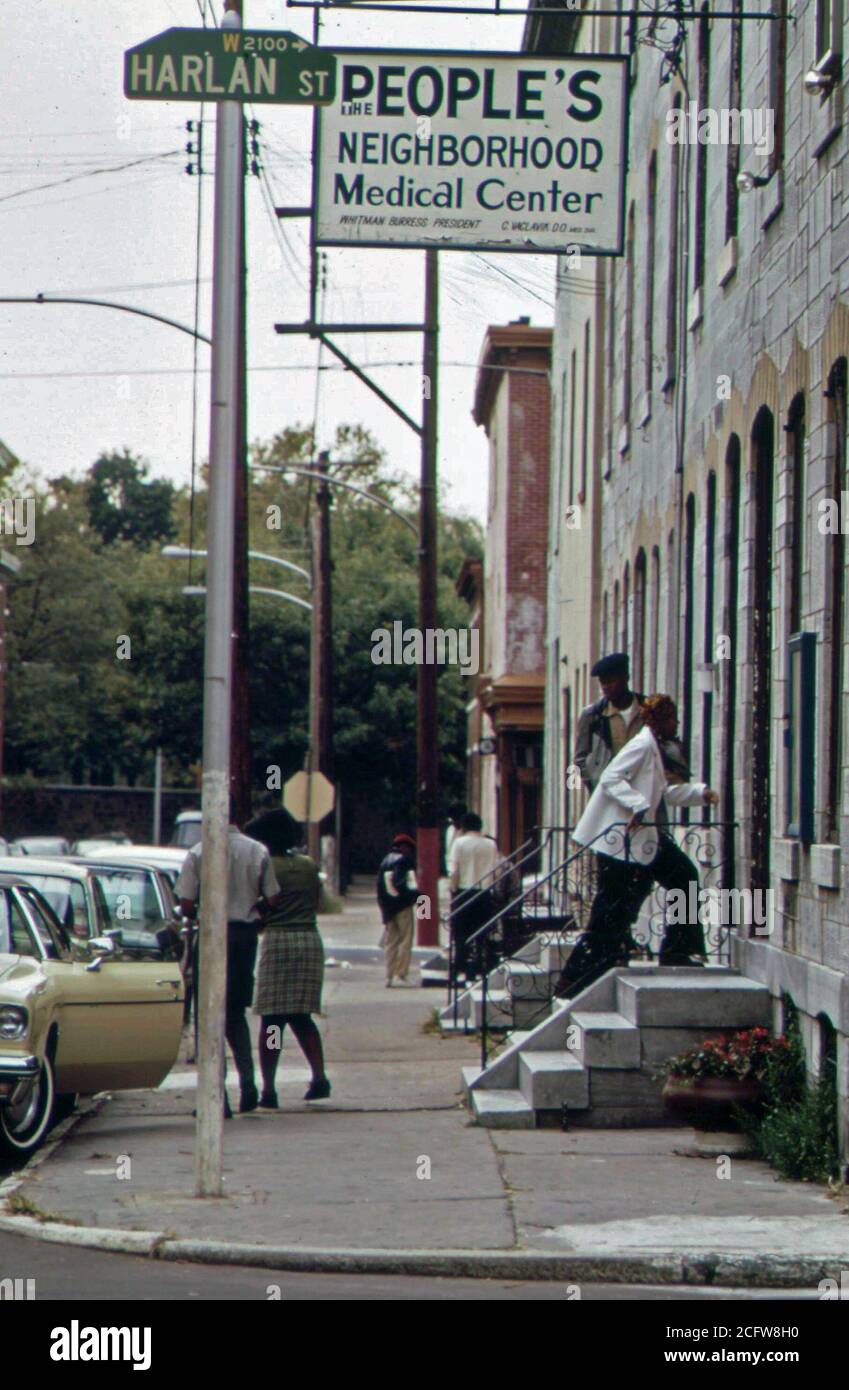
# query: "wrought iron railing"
498,888
568,890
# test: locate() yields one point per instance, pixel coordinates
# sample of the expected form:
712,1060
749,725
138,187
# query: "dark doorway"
763,459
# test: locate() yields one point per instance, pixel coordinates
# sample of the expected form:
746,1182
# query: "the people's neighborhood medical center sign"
497,151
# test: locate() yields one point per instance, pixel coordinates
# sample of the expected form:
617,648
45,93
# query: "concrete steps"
522,985
593,1059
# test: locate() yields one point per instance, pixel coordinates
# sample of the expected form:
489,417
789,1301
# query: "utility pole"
321,643
240,718
427,752
218,655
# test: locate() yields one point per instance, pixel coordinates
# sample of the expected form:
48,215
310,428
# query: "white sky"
130,234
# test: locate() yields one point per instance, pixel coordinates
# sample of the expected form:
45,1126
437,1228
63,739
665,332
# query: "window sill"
696,308
644,414
623,442
825,866
726,266
787,859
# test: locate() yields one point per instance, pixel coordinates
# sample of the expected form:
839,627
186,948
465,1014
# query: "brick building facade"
719,462
509,596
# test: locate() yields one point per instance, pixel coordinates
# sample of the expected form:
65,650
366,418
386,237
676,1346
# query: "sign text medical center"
470,150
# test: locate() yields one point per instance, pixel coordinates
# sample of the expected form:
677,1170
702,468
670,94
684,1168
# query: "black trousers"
622,889
470,909
242,942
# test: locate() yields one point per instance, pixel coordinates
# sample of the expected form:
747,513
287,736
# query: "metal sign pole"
217,654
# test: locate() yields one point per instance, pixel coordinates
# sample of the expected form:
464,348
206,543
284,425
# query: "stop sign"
309,796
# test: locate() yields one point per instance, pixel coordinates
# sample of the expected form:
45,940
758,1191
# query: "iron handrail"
506,868
489,927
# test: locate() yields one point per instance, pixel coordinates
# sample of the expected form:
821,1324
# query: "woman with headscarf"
291,965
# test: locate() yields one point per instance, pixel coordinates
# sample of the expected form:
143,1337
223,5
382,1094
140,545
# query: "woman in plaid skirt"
291,964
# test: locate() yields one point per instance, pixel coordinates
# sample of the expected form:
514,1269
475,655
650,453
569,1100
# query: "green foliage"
124,506
76,713
795,1127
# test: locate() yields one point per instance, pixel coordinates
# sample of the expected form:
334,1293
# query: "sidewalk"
391,1164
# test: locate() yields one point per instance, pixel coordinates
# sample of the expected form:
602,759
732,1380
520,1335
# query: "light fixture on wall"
746,181
818,81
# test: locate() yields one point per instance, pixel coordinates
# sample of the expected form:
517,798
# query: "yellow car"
74,1018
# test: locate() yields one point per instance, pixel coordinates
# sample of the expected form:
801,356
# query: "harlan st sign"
258,65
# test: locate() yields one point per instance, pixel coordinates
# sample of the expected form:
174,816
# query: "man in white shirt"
251,879
474,861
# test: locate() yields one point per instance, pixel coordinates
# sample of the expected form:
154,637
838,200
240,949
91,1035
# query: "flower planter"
707,1102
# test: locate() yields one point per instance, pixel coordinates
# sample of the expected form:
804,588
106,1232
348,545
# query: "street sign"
474,151
257,65
309,796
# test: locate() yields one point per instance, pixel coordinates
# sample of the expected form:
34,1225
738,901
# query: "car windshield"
67,898
131,897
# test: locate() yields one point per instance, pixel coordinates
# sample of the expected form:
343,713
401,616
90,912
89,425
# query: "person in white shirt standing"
631,790
474,861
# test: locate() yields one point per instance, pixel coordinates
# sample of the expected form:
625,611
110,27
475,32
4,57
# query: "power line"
114,169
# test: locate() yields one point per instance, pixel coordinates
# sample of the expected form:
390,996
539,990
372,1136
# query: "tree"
124,506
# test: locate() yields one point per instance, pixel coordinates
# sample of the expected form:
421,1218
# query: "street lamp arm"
281,593
197,590
104,304
337,482
182,552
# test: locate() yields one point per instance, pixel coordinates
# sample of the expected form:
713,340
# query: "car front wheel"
26,1117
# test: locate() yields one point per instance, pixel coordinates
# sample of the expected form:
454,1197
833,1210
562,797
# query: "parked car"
77,895
166,858
40,845
187,829
141,901
98,842
74,1018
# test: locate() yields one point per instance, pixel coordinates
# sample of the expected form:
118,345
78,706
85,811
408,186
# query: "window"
703,64
21,936
735,97
796,460
707,647
639,662
585,433
651,219
67,898
609,270
626,602
652,661
131,898
56,944
836,394
689,606
605,605
627,369
778,81
829,43
672,274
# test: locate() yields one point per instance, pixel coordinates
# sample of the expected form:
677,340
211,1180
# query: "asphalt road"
68,1274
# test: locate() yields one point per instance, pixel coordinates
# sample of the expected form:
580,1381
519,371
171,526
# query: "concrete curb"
725,1270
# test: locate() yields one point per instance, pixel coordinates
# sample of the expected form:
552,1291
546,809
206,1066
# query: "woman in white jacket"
633,789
